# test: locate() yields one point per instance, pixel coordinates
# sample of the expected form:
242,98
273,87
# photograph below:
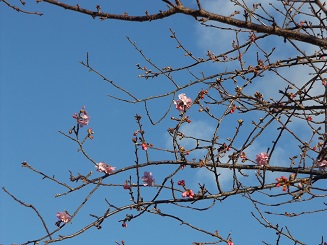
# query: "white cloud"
211,38
204,176
197,129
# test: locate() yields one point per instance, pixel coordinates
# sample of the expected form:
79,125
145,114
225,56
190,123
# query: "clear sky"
42,84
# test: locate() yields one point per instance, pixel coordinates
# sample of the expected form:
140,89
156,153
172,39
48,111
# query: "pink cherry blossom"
183,102
179,105
322,164
187,101
82,118
148,179
63,216
144,146
188,193
102,167
262,159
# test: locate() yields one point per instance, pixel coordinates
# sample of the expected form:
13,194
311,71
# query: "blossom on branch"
103,167
188,193
322,164
63,217
148,179
82,117
233,109
144,146
183,102
262,159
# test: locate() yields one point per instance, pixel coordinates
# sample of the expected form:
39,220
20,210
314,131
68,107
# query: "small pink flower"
188,193
102,167
144,146
148,179
183,102
322,164
230,242
233,109
243,155
262,159
63,216
82,118
187,101
179,105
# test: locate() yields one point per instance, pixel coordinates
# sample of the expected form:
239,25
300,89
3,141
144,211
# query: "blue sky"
43,84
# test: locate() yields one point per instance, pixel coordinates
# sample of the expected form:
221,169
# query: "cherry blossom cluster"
183,103
322,164
148,179
230,242
188,192
262,159
105,168
63,217
82,117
